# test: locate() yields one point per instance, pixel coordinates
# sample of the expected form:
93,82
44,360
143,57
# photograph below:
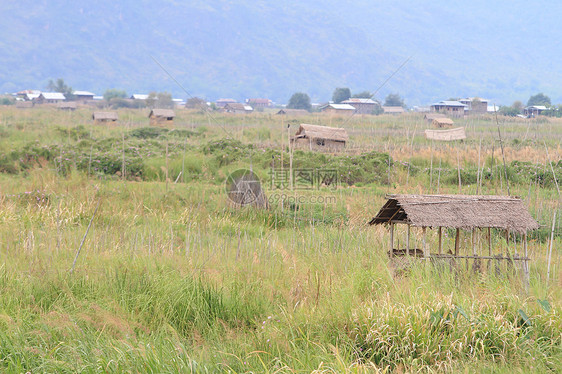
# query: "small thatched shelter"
393,110
293,112
315,137
446,135
441,123
162,117
459,212
67,105
430,117
103,117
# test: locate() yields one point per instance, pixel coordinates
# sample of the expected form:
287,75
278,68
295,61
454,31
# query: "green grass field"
171,278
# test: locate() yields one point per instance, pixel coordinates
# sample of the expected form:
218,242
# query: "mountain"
500,50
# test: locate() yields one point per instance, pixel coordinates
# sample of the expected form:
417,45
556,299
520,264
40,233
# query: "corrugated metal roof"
355,100
53,96
449,103
339,106
139,97
83,93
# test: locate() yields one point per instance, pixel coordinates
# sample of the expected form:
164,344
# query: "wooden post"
457,242
408,241
526,263
550,248
440,240
424,246
391,239
474,242
489,248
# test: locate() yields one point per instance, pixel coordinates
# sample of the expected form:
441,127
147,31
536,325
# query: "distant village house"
337,109
49,98
237,108
320,138
162,117
221,103
259,104
475,105
362,105
104,117
451,108
83,96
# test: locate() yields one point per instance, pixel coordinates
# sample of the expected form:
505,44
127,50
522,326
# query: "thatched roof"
67,105
293,112
322,132
393,109
162,113
433,115
446,135
105,116
441,122
457,211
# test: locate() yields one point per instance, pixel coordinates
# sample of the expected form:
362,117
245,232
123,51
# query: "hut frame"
459,212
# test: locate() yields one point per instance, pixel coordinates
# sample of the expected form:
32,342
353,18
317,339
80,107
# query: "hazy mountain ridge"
246,49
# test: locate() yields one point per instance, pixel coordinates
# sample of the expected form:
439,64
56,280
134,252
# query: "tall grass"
173,279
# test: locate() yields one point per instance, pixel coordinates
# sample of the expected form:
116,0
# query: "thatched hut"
293,112
446,135
162,117
441,123
459,212
104,117
393,110
67,105
430,117
314,137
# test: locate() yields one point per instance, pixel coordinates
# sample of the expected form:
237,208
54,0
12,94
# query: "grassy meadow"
171,278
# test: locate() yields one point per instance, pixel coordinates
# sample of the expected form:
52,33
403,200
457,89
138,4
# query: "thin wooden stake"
550,248
84,238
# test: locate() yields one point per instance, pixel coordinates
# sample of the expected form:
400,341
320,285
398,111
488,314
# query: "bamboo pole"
457,242
526,263
440,240
424,245
550,248
391,239
408,240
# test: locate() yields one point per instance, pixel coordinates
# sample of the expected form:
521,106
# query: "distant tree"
60,86
393,100
509,111
165,100
517,105
341,94
114,93
539,99
299,100
195,103
159,100
362,95
6,100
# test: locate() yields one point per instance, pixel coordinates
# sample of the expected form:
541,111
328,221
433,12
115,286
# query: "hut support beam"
526,262
391,239
440,240
424,245
457,242
408,241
